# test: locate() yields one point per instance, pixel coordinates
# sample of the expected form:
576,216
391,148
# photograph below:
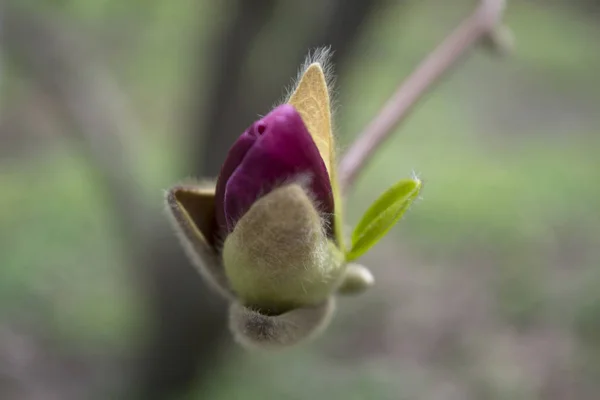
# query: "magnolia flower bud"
279,257
269,236
275,204
274,150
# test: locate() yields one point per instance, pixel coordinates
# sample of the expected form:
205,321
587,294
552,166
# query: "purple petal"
273,150
234,158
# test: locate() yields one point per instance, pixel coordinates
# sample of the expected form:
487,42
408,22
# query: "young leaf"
382,215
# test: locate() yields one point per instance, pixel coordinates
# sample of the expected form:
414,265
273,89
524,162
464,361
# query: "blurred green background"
488,289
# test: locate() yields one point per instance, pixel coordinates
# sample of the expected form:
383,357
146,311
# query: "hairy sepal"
190,207
279,257
255,330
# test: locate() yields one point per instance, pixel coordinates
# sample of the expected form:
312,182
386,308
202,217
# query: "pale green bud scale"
278,257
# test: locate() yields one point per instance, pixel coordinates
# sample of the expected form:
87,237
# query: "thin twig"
483,21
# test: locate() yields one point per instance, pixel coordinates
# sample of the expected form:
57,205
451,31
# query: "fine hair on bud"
254,330
357,279
278,257
190,208
322,56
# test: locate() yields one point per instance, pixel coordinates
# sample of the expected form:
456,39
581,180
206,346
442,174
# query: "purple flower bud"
272,151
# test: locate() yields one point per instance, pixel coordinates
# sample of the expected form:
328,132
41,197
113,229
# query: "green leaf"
382,215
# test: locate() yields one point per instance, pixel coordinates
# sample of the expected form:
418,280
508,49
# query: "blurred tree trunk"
237,99
192,321
189,338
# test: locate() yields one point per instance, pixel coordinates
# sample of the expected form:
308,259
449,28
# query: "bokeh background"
488,289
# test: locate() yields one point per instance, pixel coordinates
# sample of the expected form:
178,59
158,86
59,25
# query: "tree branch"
479,25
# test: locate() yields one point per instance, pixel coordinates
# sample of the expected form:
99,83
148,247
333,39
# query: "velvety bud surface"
278,258
274,150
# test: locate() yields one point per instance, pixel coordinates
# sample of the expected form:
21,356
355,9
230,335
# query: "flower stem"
479,25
